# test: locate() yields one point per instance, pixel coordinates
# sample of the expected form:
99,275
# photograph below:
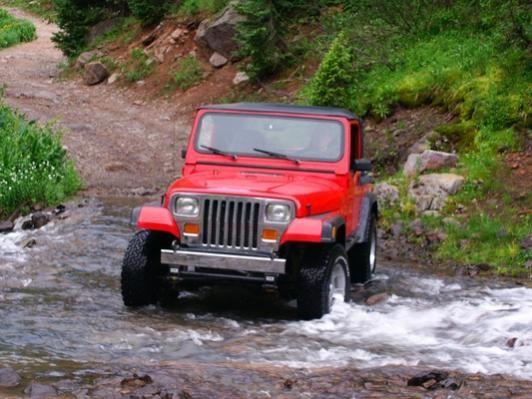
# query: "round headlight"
186,206
278,213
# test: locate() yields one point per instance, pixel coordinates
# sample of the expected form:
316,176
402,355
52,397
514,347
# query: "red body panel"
156,218
316,188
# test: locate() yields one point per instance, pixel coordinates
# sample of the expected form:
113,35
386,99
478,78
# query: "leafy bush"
187,73
334,76
193,7
148,11
140,66
14,31
34,167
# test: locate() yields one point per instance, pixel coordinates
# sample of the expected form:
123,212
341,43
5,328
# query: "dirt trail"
119,147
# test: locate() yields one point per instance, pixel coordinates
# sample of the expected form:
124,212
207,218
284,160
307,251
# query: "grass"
193,7
14,31
42,8
34,167
139,67
187,72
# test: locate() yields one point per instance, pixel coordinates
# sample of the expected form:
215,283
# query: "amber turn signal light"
269,235
192,229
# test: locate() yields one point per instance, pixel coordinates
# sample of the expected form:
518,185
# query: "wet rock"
511,342
95,72
422,378
40,391
218,33
28,243
86,57
428,160
6,226
136,381
9,378
373,288
217,60
59,209
36,221
375,299
240,77
387,193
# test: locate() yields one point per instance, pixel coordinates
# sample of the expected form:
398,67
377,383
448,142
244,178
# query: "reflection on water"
60,309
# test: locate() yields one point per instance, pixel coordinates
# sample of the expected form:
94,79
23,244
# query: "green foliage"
334,76
193,7
187,73
140,66
259,36
148,11
14,31
34,167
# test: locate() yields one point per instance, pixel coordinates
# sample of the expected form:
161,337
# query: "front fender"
155,218
316,229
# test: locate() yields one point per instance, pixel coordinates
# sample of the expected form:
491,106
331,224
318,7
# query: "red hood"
322,193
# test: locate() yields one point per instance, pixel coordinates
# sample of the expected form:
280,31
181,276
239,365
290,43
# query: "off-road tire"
360,263
314,279
140,268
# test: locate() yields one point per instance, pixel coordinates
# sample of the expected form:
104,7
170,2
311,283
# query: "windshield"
271,136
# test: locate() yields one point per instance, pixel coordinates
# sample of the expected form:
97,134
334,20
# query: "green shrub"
14,31
334,76
140,66
187,73
34,167
148,11
193,7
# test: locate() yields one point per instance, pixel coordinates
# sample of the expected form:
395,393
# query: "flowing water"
60,309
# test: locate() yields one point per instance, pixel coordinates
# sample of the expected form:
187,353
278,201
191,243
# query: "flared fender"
313,229
154,218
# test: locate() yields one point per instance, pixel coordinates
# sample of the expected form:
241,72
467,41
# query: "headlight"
278,213
186,206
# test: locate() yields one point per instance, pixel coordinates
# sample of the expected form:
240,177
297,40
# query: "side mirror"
183,153
361,165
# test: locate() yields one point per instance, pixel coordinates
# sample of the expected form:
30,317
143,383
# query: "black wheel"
140,269
323,279
363,257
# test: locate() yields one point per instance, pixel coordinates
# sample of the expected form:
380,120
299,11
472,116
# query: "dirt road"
119,147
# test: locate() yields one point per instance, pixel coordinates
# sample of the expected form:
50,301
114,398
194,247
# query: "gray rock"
240,77
40,219
387,193
431,191
28,243
9,378
86,57
113,78
428,160
6,226
218,33
217,60
40,391
375,299
448,182
95,72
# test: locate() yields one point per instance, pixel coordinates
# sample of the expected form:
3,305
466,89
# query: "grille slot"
231,223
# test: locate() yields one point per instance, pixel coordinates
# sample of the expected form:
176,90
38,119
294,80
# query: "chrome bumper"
220,261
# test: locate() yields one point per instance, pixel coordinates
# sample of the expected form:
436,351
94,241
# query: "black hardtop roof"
291,109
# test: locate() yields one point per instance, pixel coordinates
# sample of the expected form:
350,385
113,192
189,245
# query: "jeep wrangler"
277,196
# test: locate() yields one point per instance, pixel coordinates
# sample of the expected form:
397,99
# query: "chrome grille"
231,223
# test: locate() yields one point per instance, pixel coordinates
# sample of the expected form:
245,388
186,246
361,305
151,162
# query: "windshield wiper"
277,155
219,152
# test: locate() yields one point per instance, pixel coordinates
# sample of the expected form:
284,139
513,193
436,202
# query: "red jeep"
273,195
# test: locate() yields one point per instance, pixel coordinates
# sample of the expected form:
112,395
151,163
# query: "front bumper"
222,261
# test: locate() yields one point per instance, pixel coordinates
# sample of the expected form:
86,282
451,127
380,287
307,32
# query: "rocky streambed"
65,332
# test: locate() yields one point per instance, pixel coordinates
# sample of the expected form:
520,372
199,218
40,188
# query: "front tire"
140,269
323,279
363,257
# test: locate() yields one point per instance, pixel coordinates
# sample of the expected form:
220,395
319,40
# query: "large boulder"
218,33
430,192
95,72
429,160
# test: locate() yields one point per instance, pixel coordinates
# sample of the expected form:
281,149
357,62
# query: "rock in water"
40,391
6,226
40,219
9,378
95,72
218,33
